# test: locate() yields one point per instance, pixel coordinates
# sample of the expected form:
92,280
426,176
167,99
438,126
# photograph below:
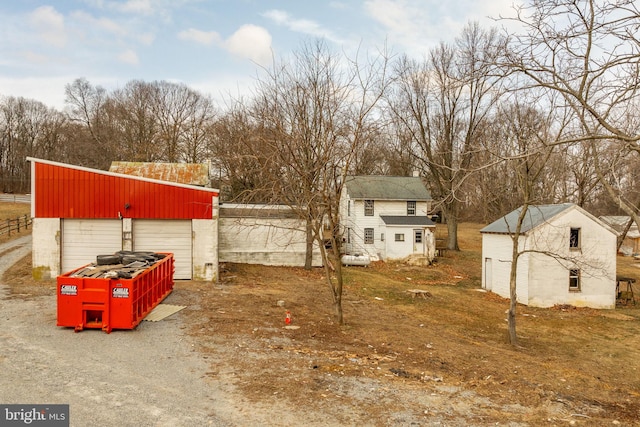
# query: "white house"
385,217
567,256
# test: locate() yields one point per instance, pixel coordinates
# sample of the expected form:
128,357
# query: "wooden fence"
15,225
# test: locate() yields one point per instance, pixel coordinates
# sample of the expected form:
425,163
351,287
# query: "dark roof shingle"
387,188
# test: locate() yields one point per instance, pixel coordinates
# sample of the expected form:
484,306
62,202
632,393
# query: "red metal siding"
67,192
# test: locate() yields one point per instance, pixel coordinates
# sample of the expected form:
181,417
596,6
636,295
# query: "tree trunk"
451,214
333,266
337,301
511,317
308,255
513,274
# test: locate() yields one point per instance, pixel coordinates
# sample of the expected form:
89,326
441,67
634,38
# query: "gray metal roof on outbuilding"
407,220
387,188
536,215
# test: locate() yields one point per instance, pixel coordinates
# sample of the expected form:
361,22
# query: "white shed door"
83,239
166,236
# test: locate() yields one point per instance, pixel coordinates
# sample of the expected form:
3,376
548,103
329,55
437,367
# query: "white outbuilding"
567,256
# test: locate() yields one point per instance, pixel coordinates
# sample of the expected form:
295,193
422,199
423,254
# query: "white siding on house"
395,249
357,222
401,249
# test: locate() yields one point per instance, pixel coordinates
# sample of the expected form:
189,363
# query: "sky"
216,47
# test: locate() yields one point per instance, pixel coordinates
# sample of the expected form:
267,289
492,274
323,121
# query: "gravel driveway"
151,376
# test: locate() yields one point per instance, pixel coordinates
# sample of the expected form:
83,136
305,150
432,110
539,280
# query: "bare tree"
93,140
316,116
27,128
526,149
586,52
239,158
441,103
182,115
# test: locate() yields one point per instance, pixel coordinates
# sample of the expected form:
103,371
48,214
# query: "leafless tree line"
493,120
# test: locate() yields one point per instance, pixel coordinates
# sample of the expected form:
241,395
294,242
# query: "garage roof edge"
121,175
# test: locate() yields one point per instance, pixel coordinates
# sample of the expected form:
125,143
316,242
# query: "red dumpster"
113,303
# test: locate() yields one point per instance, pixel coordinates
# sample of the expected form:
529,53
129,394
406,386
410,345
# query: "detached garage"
79,213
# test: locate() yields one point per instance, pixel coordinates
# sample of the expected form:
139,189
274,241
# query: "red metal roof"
65,191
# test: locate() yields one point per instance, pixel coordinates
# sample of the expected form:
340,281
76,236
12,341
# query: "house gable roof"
407,220
536,215
387,188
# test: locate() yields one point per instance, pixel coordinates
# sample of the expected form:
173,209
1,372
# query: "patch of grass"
12,211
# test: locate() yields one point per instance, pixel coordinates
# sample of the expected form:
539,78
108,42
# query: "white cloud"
252,42
338,5
304,26
137,6
420,23
49,24
146,38
48,90
87,20
198,36
397,17
129,56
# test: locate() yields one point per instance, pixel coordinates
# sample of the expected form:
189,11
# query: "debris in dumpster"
122,264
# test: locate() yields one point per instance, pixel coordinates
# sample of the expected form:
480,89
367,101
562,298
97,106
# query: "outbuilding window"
368,236
574,238
574,280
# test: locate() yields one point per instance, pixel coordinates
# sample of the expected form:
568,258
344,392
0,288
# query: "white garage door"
166,236
83,239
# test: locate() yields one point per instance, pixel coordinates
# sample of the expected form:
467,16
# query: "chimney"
416,174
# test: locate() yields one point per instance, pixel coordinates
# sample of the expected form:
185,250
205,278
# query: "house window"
574,279
411,208
382,237
368,208
574,238
368,236
399,237
349,235
348,207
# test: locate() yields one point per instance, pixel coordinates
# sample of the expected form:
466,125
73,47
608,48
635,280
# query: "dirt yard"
399,360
